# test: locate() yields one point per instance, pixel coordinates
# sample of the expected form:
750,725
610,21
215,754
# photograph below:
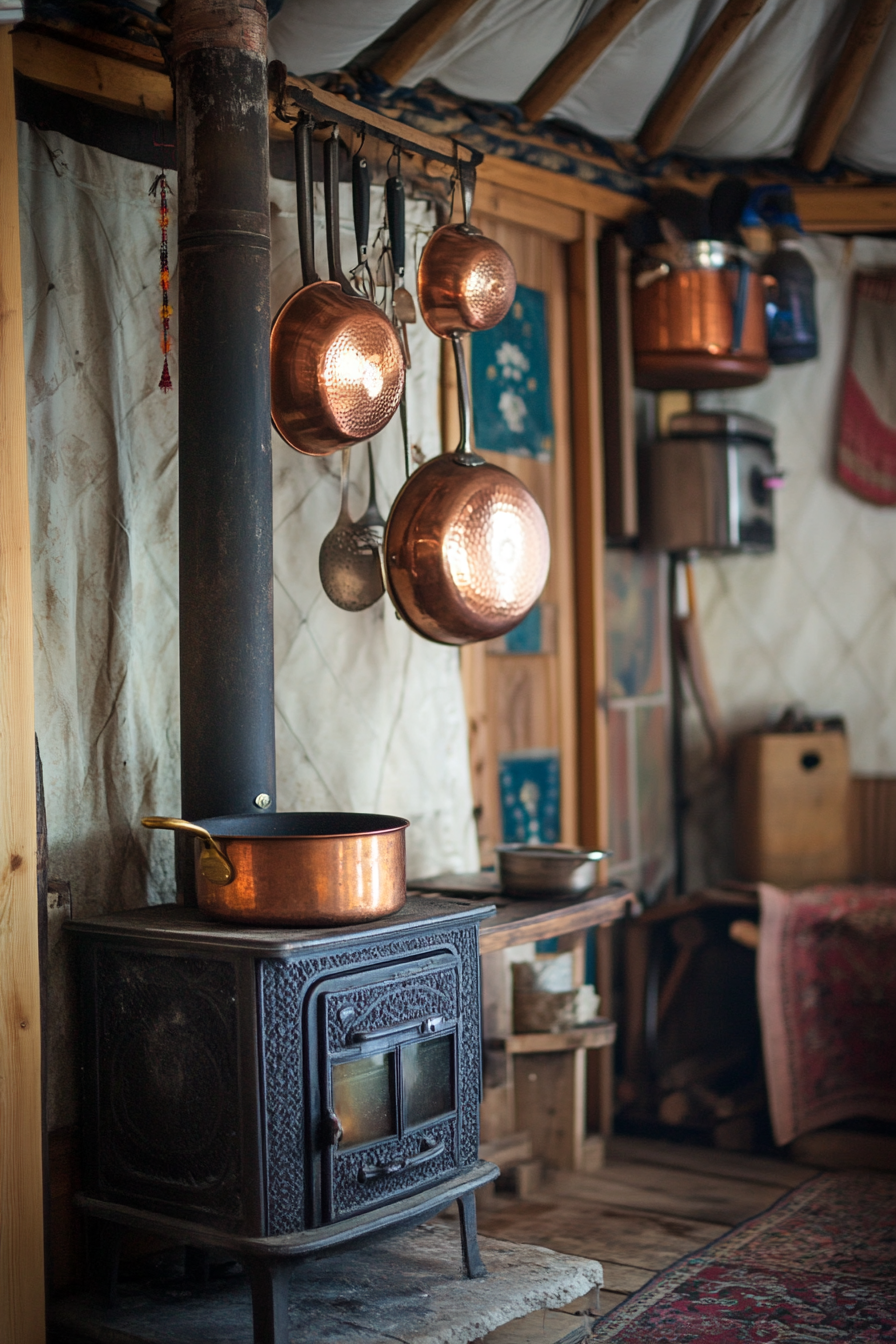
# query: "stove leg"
269,1280
469,1239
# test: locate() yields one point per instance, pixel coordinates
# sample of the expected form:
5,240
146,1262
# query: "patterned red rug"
818,1267
826,977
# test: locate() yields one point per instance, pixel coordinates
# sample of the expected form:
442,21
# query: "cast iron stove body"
280,1092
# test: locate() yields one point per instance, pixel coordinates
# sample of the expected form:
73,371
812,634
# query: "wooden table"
531,920
543,1092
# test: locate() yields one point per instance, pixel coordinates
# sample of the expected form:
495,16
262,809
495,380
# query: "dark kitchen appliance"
710,485
279,1093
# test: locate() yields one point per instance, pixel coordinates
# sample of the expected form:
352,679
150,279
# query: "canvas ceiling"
753,106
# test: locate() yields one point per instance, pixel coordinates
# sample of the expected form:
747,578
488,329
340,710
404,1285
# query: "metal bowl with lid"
545,870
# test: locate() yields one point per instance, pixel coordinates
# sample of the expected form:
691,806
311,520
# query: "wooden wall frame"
21,1120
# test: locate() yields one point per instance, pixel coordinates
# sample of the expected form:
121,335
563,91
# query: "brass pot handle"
213,862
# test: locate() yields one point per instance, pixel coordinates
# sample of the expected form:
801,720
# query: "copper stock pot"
302,869
698,317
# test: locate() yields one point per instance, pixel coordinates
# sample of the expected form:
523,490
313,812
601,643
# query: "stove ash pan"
269,1083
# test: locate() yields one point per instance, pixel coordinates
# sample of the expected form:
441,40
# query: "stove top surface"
177,923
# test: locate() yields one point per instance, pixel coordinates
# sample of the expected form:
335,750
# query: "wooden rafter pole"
845,84
21,1172
420,38
667,116
574,60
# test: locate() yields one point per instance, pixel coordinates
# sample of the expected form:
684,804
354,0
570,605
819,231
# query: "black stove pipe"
226,529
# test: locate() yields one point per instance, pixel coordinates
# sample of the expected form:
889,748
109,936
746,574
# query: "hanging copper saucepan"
466,550
466,282
337,371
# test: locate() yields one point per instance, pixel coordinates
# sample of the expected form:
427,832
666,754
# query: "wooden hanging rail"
324,106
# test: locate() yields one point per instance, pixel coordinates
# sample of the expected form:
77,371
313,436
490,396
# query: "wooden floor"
652,1203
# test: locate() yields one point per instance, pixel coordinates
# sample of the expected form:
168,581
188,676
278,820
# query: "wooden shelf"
524,921
602,1032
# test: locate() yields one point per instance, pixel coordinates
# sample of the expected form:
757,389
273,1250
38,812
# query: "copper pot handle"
466,174
464,453
213,862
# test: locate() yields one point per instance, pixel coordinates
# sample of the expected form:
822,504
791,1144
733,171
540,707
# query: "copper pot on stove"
300,869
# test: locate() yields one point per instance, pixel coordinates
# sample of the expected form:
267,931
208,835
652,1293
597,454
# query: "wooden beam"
21,1148
854,209
574,60
558,187
667,116
420,38
88,74
845,84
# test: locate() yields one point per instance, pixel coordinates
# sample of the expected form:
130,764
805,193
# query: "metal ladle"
349,563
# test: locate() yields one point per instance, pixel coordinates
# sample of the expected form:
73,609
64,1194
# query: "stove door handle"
426,1026
431,1150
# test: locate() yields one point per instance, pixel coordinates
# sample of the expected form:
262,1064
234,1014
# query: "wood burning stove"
280,1092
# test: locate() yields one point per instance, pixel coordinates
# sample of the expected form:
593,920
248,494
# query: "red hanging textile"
160,187
866,446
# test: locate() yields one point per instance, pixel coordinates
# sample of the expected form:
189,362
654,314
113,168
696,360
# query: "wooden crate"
792,808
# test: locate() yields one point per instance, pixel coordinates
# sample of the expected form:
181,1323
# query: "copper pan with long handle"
466,550
466,282
337,370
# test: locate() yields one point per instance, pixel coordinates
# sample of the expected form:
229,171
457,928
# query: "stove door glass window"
363,1098
427,1069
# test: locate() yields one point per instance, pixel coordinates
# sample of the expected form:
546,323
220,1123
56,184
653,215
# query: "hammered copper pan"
466,282
304,869
466,549
337,370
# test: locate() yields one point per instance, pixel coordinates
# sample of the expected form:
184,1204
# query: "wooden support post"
588,475
584,353
21,1165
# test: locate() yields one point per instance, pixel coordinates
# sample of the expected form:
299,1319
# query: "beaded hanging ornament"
160,188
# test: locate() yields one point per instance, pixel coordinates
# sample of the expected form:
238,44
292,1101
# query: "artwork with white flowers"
511,382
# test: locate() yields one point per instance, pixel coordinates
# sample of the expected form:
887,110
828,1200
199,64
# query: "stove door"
388,1083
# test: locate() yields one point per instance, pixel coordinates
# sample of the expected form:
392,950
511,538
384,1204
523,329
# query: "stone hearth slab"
406,1289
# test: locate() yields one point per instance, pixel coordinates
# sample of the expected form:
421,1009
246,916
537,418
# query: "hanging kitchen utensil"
337,369
349,562
466,282
361,214
466,548
403,309
726,205
307,869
